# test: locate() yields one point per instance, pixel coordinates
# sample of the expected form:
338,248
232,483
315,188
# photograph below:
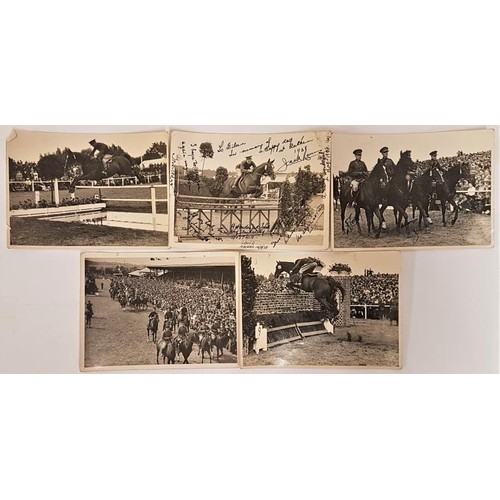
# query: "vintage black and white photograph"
86,190
149,311
412,190
249,191
321,309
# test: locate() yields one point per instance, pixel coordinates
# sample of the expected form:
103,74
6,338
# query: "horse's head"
465,172
70,159
269,170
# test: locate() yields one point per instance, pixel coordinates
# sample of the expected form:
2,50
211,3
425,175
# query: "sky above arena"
28,146
379,262
173,260
289,151
446,144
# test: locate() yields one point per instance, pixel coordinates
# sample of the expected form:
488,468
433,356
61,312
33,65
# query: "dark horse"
153,328
324,287
249,183
398,190
422,191
370,196
185,346
166,349
94,170
447,191
394,314
206,344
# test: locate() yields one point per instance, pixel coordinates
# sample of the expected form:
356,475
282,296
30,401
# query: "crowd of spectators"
275,285
374,289
210,305
474,194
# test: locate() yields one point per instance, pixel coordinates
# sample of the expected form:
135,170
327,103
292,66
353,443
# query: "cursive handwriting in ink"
292,145
302,154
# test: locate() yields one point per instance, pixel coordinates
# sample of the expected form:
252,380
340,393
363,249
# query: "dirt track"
470,229
118,338
378,348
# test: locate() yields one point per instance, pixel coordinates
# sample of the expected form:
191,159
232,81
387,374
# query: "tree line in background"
52,165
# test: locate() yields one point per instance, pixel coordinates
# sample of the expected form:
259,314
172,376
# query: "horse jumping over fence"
324,288
94,170
249,183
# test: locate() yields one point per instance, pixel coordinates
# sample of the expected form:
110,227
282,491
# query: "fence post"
56,192
37,197
153,206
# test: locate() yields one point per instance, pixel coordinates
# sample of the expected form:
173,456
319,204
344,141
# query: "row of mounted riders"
170,346
376,190
136,301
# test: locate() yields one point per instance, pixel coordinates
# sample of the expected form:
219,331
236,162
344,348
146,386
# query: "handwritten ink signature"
302,154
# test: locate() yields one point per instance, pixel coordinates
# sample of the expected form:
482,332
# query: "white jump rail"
153,200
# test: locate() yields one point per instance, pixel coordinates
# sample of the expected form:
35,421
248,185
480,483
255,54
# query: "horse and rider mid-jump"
250,182
302,277
97,169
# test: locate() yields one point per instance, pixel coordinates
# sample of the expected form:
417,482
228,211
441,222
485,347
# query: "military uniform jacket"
436,164
357,168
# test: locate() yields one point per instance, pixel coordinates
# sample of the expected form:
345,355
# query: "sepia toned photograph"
86,190
149,311
407,191
321,310
251,191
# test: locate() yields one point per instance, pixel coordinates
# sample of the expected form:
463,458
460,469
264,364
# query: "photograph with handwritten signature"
251,191
412,190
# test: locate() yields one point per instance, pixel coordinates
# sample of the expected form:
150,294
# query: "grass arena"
379,347
471,229
120,223
118,337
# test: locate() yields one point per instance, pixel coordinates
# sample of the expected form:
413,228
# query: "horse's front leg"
342,215
455,210
380,222
443,211
357,214
382,210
